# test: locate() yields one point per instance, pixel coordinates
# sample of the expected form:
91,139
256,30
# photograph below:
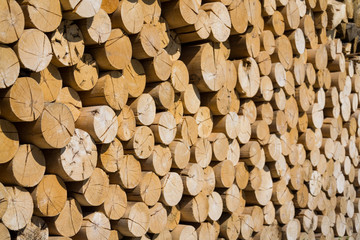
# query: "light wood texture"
76,161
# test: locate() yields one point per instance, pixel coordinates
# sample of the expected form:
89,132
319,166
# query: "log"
128,16
151,10
206,231
109,5
26,169
148,190
92,191
134,74
50,82
10,141
76,161
158,218
77,10
20,208
37,229
111,156
136,212
201,152
146,44
192,177
67,43
171,189
115,53
164,128
190,99
144,109
230,226
83,75
194,209
163,94
182,232
185,12
23,102
179,76
159,161
180,153
238,24
158,68
220,22
224,173
141,144
94,226
220,146
204,121
109,89
248,77
215,206
55,120
209,180
128,175
275,23
247,45
200,30
9,68
70,98
68,222
49,196
13,22
211,59
44,16
100,122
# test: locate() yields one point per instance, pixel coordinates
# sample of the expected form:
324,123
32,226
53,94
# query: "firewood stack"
179,119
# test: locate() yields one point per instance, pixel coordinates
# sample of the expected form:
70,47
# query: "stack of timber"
179,119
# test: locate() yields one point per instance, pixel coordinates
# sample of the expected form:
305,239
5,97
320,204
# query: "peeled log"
43,15
19,210
115,53
135,77
115,204
127,124
12,21
68,222
76,161
210,58
181,13
100,122
142,143
220,22
83,75
80,9
148,190
49,196
36,229
94,226
129,173
53,129
50,82
111,156
71,99
138,213
26,169
9,66
23,102
144,109
110,89
97,29
68,44
171,189
128,16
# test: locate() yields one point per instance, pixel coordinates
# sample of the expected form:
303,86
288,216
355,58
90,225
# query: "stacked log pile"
179,119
